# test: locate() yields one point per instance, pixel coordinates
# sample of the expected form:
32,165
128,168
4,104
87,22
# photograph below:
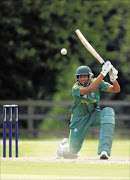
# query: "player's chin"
82,83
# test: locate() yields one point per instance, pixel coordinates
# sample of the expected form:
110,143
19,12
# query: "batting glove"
106,68
113,74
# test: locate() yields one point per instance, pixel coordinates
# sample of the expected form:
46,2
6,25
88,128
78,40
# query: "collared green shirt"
88,102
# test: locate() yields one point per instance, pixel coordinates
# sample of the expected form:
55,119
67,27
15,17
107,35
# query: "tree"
33,32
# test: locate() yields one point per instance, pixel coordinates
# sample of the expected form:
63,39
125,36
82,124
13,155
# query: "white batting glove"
113,74
106,68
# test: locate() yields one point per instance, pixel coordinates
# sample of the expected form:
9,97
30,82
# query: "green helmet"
83,70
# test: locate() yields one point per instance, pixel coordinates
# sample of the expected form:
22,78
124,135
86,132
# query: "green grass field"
37,161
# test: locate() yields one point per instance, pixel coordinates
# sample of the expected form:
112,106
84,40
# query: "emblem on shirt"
85,96
75,130
93,94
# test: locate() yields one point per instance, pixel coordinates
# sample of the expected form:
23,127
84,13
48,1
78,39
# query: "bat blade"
88,46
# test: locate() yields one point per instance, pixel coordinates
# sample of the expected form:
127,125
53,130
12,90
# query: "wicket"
10,109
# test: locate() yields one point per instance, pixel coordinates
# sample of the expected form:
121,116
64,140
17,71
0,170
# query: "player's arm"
92,86
89,89
115,88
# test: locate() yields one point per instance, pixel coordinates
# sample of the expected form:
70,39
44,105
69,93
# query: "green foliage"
33,32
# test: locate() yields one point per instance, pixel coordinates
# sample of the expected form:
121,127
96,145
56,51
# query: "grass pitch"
37,161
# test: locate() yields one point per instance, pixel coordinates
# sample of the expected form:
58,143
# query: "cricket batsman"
86,113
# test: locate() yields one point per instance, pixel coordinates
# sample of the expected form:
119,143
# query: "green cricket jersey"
82,105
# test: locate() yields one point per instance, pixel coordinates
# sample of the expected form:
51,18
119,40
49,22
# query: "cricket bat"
88,46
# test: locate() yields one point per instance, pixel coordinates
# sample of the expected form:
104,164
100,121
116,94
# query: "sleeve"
76,90
104,86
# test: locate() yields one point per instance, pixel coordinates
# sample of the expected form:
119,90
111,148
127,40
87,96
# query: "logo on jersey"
85,96
75,130
83,101
93,94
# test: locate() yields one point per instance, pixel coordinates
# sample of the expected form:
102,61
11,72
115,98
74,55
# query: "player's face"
83,79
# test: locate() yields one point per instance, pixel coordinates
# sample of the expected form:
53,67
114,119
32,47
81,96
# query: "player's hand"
106,68
113,74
